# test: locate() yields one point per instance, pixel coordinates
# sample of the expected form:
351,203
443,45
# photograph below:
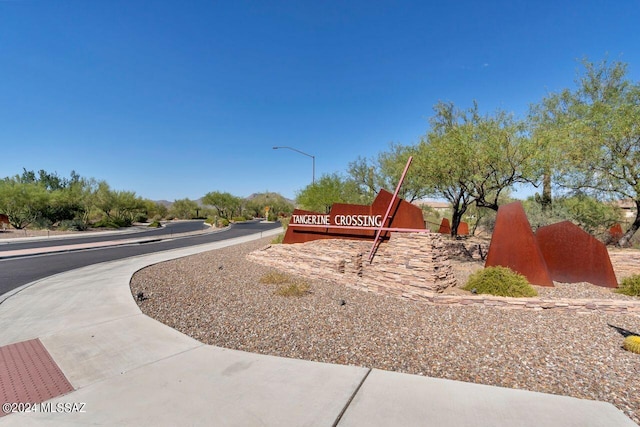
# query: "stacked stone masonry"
410,265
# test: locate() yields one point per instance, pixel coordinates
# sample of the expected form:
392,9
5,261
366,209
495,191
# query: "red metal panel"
616,233
445,226
513,245
573,255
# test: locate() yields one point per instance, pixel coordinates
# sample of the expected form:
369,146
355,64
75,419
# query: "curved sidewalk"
128,369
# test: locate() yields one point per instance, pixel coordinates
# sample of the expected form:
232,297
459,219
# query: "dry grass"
294,289
274,277
289,286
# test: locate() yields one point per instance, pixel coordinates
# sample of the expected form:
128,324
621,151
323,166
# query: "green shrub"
238,219
140,217
223,222
210,221
112,223
155,224
105,223
500,281
41,224
73,224
278,239
630,286
284,221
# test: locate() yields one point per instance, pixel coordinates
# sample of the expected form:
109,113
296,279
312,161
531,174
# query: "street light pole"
308,155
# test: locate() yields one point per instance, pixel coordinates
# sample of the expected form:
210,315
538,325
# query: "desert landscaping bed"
217,298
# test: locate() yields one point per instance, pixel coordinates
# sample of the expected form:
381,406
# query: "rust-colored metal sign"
361,222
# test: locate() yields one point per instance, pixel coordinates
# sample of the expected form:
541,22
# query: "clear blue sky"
174,99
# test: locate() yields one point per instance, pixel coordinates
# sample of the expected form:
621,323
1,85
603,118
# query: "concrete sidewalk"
128,369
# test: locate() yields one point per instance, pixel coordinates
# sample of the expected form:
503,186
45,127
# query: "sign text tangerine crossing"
339,220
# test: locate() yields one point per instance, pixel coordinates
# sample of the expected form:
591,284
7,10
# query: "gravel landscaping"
217,298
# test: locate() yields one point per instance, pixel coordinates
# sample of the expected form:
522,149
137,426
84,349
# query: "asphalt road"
15,272
168,230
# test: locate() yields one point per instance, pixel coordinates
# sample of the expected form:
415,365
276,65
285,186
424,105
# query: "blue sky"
173,99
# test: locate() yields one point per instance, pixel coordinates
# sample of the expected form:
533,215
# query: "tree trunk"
626,238
546,192
456,218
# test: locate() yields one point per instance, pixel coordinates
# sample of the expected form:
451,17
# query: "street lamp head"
306,154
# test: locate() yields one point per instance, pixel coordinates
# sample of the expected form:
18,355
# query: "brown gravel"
217,298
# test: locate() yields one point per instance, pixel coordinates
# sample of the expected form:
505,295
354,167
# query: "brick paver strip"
28,374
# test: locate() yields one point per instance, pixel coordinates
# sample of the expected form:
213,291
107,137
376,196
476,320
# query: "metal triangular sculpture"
513,245
573,255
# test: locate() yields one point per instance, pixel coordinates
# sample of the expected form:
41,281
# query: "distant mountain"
164,203
275,195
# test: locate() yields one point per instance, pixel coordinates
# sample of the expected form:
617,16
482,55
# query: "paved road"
169,229
15,272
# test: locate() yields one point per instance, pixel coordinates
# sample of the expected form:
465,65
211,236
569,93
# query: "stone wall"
581,306
409,265
412,266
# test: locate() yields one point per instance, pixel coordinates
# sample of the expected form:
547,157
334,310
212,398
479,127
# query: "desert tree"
226,204
329,189
468,158
599,136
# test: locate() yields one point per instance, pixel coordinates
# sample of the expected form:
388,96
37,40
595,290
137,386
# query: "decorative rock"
513,245
572,255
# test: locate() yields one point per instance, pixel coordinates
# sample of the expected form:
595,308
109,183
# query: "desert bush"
223,222
238,219
593,216
73,224
295,289
140,217
155,224
210,221
112,223
500,281
284,221
289,286
630,286
278,239
632,343
275,278
106,223
41,224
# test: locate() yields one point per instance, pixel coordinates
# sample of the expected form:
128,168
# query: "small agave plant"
632,343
